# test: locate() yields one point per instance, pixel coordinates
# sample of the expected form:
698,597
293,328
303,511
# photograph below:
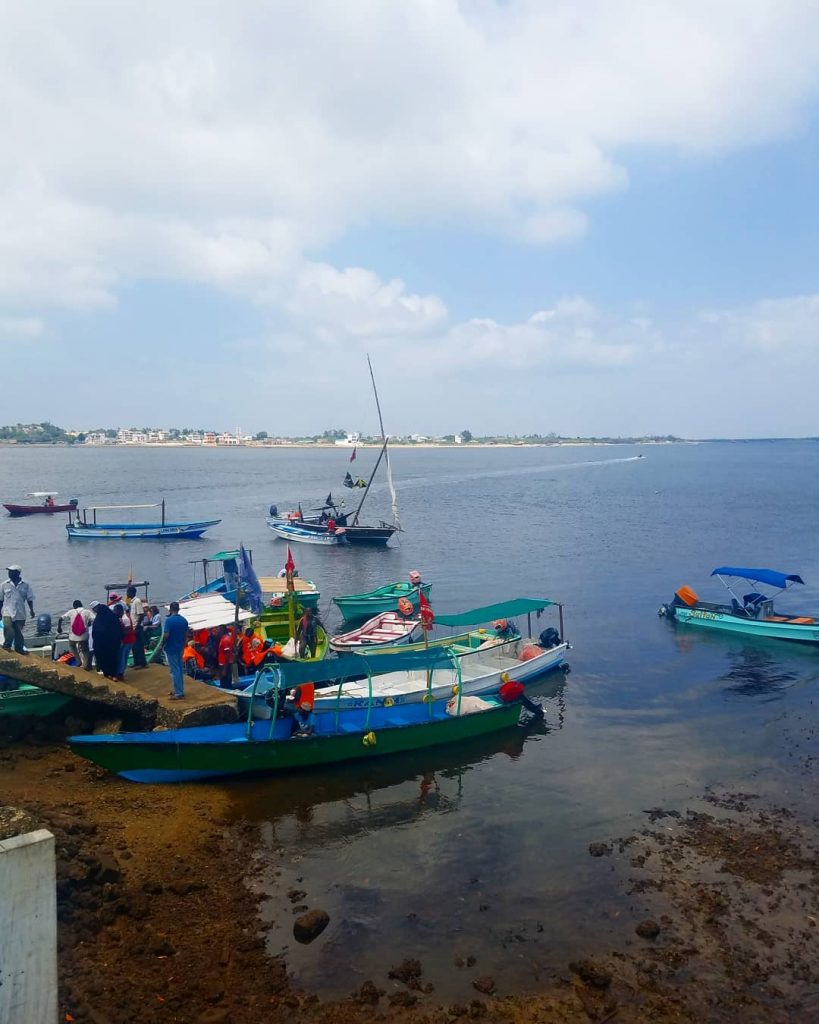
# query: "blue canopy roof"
769,576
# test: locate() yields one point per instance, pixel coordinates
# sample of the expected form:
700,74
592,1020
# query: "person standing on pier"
127,639
173,640
15,594
136,609
106,633
79,621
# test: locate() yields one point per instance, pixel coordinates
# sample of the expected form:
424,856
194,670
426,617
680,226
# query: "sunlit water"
482,850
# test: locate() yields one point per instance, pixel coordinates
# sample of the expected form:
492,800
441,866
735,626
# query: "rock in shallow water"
310,925
648,929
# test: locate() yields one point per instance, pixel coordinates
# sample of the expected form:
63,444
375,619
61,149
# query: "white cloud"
786,328
228,144
20,328
355,302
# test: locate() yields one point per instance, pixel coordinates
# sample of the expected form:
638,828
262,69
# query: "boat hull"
807,633
302,536
369,535
385,599
479,678
37,510
30,701
482,674
182,755
126,531
388,629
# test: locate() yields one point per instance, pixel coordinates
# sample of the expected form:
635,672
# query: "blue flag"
250,581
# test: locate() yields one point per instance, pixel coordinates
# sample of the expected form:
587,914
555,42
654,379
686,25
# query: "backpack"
78,626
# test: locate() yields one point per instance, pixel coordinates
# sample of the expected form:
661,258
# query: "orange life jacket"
191,654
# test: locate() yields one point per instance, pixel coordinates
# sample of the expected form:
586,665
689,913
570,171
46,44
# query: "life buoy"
404,606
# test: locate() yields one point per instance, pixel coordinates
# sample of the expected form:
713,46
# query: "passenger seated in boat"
193,661
299,706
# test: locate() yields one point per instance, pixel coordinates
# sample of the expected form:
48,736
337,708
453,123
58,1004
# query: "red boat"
45,508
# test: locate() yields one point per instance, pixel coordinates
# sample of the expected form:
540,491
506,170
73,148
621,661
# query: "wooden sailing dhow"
332,525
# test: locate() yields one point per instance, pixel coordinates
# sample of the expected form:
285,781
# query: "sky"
590,218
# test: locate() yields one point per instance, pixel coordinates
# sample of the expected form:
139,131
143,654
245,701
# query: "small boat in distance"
46,508
386,628
78,526
753,615
291,529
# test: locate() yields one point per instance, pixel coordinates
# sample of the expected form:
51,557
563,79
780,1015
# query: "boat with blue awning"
751,613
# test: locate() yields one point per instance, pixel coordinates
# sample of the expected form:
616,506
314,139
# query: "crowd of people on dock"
109,637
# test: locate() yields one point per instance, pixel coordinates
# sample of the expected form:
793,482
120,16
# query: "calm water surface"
483,849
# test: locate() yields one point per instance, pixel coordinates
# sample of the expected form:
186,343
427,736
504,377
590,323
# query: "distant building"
350,439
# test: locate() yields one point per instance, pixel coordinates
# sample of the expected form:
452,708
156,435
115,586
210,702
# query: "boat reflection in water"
404,854
755,672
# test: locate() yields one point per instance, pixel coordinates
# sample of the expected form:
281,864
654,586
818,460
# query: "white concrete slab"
28,929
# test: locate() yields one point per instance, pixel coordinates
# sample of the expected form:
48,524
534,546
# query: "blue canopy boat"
753,614
80,528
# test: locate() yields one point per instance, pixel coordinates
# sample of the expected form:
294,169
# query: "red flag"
289,565
352,457
426,614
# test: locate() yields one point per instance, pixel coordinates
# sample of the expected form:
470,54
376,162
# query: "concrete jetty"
145,694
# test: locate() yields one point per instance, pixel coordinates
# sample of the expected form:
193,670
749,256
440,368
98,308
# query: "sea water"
481,850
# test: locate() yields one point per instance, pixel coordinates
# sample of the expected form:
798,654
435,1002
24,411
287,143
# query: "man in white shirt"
79,630
15,594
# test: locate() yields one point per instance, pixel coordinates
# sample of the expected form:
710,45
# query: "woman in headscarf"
106,632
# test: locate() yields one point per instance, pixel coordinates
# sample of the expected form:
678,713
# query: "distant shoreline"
310,445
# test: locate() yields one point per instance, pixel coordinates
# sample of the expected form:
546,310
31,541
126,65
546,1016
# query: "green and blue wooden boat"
25,699
182,755
752,614
382,599
274,624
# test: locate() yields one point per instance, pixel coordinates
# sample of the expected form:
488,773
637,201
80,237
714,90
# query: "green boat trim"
210,751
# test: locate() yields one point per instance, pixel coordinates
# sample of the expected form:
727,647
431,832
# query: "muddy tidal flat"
159,914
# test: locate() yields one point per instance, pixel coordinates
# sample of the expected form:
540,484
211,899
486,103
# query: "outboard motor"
73,502
274,511
43,624
549,638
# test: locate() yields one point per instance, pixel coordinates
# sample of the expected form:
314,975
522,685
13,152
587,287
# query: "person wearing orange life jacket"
251,650
193,661
300,704
224,658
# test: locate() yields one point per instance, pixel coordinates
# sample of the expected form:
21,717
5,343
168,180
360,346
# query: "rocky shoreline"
158,919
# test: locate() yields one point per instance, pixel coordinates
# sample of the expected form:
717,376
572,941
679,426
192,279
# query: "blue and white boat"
83,527
753,614
290,530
